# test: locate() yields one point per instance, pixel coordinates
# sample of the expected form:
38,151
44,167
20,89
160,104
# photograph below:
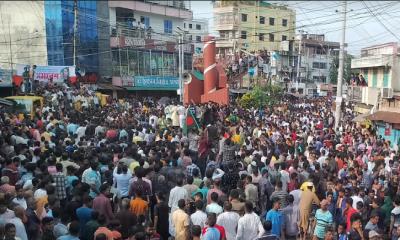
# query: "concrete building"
252,25
380,67
23,37
197,30
144,44
317,56
92,48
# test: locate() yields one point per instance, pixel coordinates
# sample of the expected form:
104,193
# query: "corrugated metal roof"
385,116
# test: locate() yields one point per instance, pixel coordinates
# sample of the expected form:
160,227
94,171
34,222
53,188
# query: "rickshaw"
26,105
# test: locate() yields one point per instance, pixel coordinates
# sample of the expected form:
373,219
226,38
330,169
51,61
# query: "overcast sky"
368,22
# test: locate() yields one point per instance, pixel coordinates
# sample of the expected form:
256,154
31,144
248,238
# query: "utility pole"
10,46
75,29
299,62
180,65
341,67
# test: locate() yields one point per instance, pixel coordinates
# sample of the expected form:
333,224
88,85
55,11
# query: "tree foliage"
333,71
261,97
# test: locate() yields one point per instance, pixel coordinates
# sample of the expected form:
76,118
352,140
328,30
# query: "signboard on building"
5,78
45,73
285,46
149,44
156,82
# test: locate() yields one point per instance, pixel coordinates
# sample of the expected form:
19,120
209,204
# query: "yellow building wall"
253,27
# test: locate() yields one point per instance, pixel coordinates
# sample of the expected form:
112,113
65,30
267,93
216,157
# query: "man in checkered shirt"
60,180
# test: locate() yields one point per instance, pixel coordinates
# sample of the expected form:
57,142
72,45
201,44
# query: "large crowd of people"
134,170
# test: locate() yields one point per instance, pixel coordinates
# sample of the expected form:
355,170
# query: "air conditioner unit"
387,92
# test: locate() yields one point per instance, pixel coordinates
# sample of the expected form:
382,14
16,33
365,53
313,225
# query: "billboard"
45,73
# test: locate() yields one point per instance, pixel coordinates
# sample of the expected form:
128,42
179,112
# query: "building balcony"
372,61
366,95
225,43
226,25
152,8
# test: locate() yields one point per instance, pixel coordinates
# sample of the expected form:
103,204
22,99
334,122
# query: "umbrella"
164,101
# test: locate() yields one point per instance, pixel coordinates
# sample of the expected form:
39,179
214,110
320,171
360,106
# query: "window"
262,20
284,38
198,38
244,17
319,65
167,26
319,78
271,37
284,22
190,26
272,21
261,36
190,37
184,25
145,20
198,27
243,35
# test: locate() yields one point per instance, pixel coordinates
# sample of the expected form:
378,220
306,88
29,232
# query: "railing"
354,93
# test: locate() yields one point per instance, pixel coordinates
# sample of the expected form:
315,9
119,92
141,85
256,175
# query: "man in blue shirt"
276,217
211,232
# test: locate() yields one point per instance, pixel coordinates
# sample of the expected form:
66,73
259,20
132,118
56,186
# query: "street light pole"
341,67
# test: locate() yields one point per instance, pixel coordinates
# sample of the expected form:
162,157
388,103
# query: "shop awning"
107,86
361,117
387,117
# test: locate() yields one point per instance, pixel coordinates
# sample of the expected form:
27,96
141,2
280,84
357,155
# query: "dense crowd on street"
133,169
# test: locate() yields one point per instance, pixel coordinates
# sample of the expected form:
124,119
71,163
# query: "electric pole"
180,66
299,62
340,71
75,30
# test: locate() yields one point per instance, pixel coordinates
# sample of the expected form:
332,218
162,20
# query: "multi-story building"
317,56
197,29
379,65
92,50
252,25
144,44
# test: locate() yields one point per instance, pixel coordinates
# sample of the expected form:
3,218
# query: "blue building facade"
59,17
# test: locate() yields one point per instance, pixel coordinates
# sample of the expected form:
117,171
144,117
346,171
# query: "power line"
376,17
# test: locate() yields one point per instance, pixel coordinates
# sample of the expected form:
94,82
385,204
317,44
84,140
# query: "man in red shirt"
348,212
211,221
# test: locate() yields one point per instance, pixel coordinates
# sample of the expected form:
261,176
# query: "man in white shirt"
356,198
229,220
122,177
249,226
177,193
199,217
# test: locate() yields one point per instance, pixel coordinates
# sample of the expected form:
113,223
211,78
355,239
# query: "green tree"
333,71
261,97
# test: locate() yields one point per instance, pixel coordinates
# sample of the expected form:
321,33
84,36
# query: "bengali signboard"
152,44
156,82
45,73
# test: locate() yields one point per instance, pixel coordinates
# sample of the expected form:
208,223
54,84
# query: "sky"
368,22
